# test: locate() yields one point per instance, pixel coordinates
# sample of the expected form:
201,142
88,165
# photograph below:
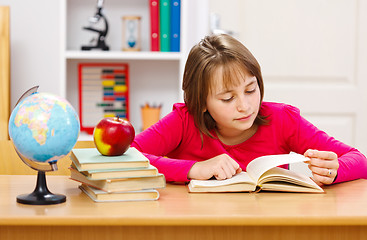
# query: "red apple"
113,136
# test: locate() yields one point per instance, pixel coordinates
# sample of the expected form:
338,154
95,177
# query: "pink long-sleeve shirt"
174,144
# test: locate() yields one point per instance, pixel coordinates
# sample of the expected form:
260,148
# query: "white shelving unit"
155,77
113,55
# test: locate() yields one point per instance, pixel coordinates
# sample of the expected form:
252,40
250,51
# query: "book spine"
175,25
164,25
154,25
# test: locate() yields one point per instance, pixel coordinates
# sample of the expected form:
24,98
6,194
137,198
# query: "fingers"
221,167
238,170
323,175
327,172
323,164
226,173
326,155
226,168
322,180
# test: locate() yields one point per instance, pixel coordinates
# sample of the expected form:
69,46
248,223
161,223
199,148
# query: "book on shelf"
175,25
262,174
121,184
154,25
164,25
102,196
86,159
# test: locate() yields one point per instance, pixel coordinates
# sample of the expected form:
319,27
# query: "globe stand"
41,195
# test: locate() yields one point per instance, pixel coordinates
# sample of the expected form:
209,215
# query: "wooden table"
340,213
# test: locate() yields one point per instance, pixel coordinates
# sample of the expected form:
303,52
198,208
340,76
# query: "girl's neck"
236,138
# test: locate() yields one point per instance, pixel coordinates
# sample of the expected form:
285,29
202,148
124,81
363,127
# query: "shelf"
119,55
156,77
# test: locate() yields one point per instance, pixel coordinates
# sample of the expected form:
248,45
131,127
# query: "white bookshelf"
155,77
119,55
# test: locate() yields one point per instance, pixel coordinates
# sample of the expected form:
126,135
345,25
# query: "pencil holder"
131,39
150,115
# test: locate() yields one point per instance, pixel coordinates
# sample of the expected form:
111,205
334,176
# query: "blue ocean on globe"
44,127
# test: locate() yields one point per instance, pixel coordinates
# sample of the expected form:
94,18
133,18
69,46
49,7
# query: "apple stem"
117,118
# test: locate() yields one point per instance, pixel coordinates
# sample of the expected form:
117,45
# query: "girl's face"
234,109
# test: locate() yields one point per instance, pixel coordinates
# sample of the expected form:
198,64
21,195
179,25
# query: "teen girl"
224,124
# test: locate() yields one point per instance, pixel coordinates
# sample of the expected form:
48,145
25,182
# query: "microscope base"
106,48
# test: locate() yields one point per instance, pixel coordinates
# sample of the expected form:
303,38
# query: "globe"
44,128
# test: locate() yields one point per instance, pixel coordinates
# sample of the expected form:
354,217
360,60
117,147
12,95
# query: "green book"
164,25
121,184
119,172
102,196
86,159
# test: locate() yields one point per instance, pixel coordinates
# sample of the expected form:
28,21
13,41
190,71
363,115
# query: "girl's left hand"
324,166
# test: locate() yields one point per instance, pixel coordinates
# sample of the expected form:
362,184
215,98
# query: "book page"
238,183
260,165
286,187
282,179
242,177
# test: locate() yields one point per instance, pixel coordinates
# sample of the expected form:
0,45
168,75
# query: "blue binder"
175,25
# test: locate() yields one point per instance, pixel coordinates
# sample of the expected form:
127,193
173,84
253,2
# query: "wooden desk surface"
342,204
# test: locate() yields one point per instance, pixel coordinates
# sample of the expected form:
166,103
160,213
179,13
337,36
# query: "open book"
262,173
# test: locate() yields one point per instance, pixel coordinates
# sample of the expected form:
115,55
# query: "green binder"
165,25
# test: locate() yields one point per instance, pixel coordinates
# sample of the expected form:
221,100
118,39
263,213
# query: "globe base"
41,195
33,199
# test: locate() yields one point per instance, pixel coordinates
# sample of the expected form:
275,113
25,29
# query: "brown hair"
204,59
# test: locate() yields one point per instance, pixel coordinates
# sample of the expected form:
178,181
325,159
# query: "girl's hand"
221,167
324,166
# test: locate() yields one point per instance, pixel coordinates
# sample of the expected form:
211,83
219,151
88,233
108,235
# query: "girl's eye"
227,99
251,91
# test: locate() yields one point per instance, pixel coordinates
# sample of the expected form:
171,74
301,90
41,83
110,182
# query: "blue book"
175,25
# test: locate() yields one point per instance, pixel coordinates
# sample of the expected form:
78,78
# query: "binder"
154,25
164,25
175,25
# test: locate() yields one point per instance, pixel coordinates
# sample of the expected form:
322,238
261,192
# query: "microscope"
101,44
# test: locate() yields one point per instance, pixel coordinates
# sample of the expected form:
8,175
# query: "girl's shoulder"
180,109
276,110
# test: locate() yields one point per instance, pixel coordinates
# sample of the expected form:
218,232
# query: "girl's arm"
161,139
301,136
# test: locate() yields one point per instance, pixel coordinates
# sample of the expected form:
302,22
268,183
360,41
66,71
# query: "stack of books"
128,177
